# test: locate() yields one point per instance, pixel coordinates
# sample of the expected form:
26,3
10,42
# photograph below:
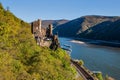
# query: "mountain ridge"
55,23
81,26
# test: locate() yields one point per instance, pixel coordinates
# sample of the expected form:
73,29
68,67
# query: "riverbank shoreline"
95,56
77,41
98,42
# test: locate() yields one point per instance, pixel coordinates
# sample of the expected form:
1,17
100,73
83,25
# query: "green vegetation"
98,76
22,59
108,78
81,62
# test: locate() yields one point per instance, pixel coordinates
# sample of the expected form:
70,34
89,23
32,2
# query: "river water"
96,58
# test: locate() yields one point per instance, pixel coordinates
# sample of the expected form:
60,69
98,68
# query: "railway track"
84,73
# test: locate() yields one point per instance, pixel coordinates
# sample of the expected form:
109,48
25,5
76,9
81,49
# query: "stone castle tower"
42,34
39,26
36,28
50,28
49,33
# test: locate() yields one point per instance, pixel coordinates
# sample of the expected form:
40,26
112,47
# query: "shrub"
81,63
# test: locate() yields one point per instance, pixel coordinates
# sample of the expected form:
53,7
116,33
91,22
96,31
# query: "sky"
30,10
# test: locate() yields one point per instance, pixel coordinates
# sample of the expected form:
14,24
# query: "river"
95,57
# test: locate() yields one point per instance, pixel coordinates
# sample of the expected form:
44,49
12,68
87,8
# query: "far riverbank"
98,42
76,41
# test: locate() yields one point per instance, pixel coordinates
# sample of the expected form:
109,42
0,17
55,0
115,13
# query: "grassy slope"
21,58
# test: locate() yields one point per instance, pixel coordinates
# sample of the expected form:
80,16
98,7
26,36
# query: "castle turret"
39,25
50,28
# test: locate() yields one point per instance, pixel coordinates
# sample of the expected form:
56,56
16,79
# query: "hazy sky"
30,10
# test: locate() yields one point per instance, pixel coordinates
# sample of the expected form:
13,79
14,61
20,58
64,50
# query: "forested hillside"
22,59
107,30
91,27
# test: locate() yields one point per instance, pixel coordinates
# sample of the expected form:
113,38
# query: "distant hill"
55,23
92,27
107,30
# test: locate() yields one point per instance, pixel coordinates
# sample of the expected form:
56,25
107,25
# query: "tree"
81,62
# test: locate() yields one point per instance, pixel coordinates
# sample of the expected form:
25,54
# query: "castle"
44,36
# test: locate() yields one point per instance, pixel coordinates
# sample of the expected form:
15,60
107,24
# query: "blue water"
96,58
